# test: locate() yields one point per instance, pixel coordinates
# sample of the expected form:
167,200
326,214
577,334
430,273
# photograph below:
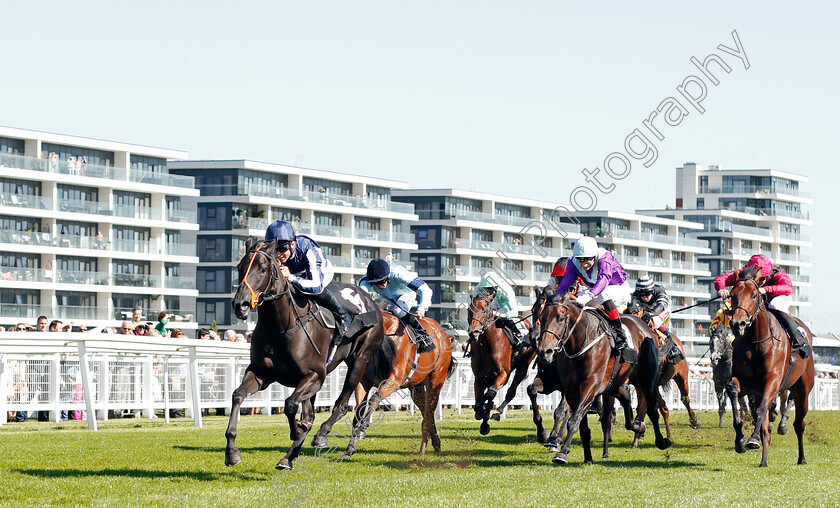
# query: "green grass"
149,463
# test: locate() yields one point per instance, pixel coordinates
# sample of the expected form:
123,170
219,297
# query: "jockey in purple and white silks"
603,278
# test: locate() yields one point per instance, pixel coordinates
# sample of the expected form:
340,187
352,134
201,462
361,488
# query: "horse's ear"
537,292
249,243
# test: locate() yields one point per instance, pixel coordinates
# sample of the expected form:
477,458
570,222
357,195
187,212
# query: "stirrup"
425,343
804,350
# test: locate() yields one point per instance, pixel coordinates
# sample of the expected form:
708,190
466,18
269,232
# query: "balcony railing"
654,237
662,263
25,201
82,277
182,249
138,246
158,178
371,234
753,189
323,198
136,280
179,282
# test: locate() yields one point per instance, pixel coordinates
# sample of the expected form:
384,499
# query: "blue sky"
487,96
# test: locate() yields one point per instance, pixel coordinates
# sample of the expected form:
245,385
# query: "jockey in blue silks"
400,287
303,264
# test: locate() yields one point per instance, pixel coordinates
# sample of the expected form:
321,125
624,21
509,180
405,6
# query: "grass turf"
149,463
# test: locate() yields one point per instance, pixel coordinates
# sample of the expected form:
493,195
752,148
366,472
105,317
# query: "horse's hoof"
361,434
552,441
542,437
233,458
605,456
478,415
664,443
484,429
319,441
739,446
560,458
695,424
496,417
284,465
554,448
753,444
783,429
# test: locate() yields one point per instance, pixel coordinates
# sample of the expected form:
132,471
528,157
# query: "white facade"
352,217
747,212
90,229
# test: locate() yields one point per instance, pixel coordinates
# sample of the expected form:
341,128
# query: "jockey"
303,264
776,285
722,316
656,305
398,286
602,277
502,305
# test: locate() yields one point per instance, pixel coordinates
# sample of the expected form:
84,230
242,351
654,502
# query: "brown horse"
588,368
290,345
762,365
397,365
668,371
492,360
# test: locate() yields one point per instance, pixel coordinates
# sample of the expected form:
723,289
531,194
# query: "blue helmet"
280,230
378,270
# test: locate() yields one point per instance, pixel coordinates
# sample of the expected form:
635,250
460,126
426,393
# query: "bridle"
757,297
562,340
258,299
484,323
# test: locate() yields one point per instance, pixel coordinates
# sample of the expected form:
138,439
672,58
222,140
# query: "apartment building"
746,212
91,229
353,218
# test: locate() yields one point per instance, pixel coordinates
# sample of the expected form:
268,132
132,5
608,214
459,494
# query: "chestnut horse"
492,360
397,365
667,371
588,368
762,365
290,345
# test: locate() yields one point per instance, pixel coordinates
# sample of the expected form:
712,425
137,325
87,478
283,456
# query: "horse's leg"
638,425
681,379
518,375
433,389
298,429
355,372
733,391
666,414
484,407
651,402
579,413
361,417
250,385
721,396
562,414
623,396
784,403
533,389
763,431
800,395
419,396
606,422
586,440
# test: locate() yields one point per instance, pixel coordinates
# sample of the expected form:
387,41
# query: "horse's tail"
452,366
382,364
648,366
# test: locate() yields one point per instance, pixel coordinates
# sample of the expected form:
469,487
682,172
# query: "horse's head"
555,320
258,272
541,295
746,301
478,314
719,344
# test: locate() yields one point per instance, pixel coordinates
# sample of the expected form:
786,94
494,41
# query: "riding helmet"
585,247
644,285
280,230
378,270
762,263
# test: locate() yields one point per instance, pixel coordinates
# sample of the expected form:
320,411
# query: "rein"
753,315
561,347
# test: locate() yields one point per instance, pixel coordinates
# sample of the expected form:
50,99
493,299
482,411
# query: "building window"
701,203
96,157
145,163
214,249
427,237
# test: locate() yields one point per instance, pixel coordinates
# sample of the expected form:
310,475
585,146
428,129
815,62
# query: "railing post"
85,368
166,389
148,396
195,387
458,381
104,388
55,383
4,373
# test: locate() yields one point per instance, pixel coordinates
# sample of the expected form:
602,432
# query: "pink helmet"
761,262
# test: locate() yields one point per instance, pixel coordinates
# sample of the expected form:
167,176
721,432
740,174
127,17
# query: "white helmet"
585,247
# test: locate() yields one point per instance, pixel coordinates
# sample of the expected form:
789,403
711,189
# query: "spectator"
239,338
127,328
100,240
83,329
142,329
248,335
23,327
229,336
203,334
55,325
53,162
2,329
137,314
214,335
178,334
163,318
42,324
67,327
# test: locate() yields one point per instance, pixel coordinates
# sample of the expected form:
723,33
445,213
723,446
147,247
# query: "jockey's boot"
797,341
627,355
516,341
424,341
342,317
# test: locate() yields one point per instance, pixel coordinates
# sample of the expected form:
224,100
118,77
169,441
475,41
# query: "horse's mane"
748,273
484,292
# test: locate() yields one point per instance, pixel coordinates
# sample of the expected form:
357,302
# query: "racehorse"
491,360
397,365
290,345
678,372
587,368
763,365
721,357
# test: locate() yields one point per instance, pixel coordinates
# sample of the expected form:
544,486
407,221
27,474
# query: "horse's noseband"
257,298
757,297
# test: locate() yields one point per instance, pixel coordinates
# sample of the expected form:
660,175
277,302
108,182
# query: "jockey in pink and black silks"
603,278
777,287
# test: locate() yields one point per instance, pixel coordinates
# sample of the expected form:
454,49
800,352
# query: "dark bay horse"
720,355
396,366
491,360
291,344
587,368
762,365
668,371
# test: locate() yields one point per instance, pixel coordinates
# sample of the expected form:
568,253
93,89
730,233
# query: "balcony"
182,249
323,198
688,288
25,201
158,178
136,246
25,275
136,280
662,263
82,277
371,234
657,238
180,216
754,189
179,282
